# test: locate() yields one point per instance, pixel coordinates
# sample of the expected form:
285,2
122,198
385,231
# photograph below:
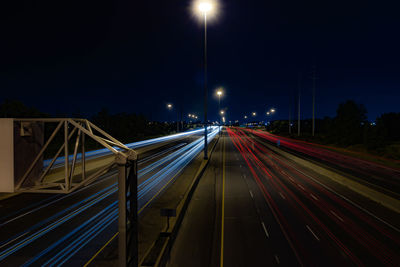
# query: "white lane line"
9,242
291,179
314,197
302,187
337,216
251,194
347,199
265,229
282,195
309,229
277,259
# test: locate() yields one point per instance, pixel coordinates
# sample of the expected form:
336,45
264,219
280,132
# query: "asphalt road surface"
254,207
56,229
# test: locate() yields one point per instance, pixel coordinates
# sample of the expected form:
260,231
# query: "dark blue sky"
135,56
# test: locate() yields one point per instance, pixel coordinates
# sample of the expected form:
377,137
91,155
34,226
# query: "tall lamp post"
169,107
219,94
270,112
203,8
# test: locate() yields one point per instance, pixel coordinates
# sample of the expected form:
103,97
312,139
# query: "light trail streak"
135,145
292,198
185,155
379,250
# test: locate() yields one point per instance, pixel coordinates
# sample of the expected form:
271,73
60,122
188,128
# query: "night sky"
136,56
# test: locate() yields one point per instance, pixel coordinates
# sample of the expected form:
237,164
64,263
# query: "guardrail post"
127,206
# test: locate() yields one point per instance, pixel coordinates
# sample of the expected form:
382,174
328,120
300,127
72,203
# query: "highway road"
256,207
45,229
381,177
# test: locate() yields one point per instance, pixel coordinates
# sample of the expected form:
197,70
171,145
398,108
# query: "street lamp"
254,114
204,8
222,112
169,107
219,94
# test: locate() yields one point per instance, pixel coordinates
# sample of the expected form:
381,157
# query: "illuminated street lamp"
204,9
272,110
254,114
222,112
169,107
219,94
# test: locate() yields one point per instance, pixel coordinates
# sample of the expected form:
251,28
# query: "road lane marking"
18,237
223,207
265,229
337,216
314,197
282,195
309,229
291,179
277,259
346,199
302,187
100,250
251,194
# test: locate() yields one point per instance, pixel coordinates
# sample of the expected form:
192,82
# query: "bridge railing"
67,170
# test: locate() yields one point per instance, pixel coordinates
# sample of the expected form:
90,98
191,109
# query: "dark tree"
349,123
388,126
16,109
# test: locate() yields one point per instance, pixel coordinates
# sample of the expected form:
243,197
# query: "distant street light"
219,94
272,110
204,8
169,107
268,113
222,112
245,117
254,114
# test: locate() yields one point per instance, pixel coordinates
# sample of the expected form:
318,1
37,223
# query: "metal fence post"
127,206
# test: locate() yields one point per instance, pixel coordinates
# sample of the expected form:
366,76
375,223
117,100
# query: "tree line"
126,127
349,127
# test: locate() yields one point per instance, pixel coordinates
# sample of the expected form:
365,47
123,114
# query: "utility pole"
313,101
298,106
